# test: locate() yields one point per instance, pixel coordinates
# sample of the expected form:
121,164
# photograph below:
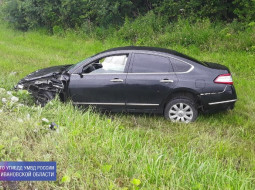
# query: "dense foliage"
25,14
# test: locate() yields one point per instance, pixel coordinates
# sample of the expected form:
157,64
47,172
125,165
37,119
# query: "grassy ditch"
123,151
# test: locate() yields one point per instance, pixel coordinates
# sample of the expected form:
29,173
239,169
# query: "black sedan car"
138,79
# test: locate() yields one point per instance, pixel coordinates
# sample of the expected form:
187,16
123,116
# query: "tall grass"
202,34
130,151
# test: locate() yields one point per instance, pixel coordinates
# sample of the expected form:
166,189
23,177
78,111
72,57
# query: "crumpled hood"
46,72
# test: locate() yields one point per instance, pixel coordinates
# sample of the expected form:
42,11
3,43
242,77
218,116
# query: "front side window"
147,63
111,64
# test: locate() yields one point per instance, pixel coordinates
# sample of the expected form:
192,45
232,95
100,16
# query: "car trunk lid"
217,66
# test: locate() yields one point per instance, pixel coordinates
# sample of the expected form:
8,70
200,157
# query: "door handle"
116,80
166,81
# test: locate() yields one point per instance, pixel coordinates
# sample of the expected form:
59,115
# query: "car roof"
155,49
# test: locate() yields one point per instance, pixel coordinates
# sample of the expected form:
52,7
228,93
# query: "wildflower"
13,73
2,90
14,99
4,100
45,120
20,120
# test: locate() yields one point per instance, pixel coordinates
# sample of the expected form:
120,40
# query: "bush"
25,14
224,10
14,14
245,10
142,29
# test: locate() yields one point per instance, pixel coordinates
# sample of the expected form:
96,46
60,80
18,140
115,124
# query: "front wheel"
181,110
44,97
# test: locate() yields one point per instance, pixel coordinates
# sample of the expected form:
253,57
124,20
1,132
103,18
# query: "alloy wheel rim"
181,112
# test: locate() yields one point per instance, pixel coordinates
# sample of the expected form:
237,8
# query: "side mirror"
81,75
82,71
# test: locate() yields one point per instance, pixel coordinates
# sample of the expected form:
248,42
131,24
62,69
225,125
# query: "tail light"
224,79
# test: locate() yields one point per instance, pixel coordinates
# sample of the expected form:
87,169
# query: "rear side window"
147,63
180,66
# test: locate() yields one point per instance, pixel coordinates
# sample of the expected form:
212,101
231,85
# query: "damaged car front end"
44,84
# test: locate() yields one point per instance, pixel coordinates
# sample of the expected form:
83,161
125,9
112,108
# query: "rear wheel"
181,110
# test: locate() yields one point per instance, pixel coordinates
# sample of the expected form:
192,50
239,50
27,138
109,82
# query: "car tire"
44,97
181,110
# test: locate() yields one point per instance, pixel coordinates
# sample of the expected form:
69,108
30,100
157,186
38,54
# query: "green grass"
96,151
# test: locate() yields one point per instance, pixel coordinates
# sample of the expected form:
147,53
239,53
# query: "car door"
149,81
101,83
